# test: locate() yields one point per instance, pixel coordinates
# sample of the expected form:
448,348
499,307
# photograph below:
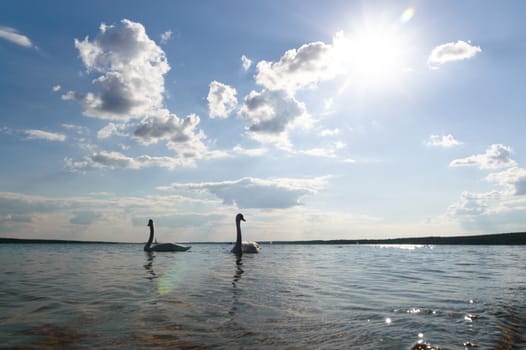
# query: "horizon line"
511,238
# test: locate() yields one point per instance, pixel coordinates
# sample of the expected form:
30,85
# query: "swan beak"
244,219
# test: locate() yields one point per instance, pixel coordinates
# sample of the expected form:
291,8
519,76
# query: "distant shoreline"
516,238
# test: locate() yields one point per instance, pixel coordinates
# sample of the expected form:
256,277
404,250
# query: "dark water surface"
287,297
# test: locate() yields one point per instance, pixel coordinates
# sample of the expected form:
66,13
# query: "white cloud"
168,126
329,151
76,128
104,217
493,211
452,51
246,62
274,111
256,193
501,209
131,86
327,103
166,36
444,141
131,67
319,152
33,134
496,156
116,160
12,35
472,204
330,132
56,88
252,152
179,133
112,129
270,114
221,99
300,68
513,180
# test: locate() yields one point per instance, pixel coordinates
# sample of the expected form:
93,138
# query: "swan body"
250,247
243,247
162,247
169,247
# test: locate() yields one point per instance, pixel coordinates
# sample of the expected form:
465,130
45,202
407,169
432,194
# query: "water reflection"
235,280
149,266
239,271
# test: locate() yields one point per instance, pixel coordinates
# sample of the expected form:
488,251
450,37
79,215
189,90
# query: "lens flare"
172,277
407,14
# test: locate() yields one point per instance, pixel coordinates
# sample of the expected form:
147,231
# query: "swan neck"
238,227
150,239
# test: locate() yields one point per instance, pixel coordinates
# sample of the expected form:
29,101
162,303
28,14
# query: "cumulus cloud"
444,141
299,68
179,133
513,180
112,129
503,207
251,192
56,88
131,68
221,99
166,36
12,35
490,211
452,51
272,112
472,204
117,160
496,156
167,127
246,62
33,134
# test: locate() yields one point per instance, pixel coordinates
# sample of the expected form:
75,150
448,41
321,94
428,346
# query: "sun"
374,55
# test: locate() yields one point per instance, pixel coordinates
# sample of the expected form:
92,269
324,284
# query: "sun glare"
374,55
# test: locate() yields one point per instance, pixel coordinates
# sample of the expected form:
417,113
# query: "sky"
316,120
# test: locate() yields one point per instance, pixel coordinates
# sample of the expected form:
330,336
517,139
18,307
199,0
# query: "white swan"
243,247
162,247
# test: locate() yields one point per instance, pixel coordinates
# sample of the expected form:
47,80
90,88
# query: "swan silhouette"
162,247
243,247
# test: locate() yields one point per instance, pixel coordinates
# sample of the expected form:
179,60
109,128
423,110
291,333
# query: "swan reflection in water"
149,266
235,281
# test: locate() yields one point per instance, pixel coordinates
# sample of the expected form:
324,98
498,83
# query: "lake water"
287,297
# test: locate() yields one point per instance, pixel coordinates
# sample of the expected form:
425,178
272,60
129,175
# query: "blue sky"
317,120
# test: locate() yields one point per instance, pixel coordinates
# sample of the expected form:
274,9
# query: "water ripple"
291,297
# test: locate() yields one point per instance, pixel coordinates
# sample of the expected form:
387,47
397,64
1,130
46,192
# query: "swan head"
239,217
150,223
